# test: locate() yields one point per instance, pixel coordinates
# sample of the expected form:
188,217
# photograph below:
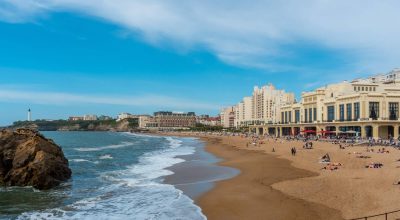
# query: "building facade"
362,107
228,116
263,107
166,119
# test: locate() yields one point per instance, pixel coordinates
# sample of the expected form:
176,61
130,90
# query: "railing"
386,215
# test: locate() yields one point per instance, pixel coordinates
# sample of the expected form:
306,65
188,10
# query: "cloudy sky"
71,57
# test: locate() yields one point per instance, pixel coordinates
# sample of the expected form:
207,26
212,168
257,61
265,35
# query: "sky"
72,57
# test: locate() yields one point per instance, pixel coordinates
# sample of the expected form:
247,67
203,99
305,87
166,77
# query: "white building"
267,102
228,117
123,116
90,117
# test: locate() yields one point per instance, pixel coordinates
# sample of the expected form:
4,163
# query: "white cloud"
56,98
246,33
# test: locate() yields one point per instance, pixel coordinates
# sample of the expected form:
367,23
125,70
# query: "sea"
115,176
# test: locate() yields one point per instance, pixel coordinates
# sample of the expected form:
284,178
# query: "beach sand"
250,195
277,185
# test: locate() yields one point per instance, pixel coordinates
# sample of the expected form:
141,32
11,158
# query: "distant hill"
64,125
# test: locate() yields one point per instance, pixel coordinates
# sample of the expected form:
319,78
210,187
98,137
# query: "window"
305,115
331,113
355,88
310,114
341,112
286,117
393,110
356,111
348,111
374,110
362,88
282,117
315,114
297,116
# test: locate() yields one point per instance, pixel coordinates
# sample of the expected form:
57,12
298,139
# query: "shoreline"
199,172
250,195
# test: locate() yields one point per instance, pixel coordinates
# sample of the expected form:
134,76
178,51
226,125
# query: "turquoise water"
115,176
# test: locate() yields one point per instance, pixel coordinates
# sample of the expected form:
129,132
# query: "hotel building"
261,108
362,107
165,119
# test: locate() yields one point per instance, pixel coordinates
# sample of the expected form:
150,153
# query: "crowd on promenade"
349,140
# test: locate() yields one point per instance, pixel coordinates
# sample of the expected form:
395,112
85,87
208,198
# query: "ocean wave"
114,146
173,142
134,192
141,135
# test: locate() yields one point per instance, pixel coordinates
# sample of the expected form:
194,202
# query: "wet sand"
250,195
199,172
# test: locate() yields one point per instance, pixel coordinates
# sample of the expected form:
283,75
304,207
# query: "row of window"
364,88
347,112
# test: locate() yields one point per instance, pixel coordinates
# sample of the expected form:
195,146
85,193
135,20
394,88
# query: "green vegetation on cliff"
99,125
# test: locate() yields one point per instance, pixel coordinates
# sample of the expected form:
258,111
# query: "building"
90,117
244,112
104,118
123,116
228,117
267,101
362,107
75,118
83,118
263,107
208,121
167,119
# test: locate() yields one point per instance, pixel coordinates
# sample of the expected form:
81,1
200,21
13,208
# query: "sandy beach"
277,185
250,195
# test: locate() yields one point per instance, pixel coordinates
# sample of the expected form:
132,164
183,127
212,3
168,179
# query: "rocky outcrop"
29,159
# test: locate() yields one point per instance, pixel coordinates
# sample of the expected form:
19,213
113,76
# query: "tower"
29,115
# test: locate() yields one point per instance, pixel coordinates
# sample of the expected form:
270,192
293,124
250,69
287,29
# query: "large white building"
260,108
365,107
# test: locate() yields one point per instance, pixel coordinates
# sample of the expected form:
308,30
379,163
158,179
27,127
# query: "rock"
29,159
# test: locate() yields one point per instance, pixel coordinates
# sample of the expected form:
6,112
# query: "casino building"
362,107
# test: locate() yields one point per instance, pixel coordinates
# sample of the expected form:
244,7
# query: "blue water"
115,176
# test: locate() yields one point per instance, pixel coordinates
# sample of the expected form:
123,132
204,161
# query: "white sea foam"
114,146
141,135
106,157
80,160
135,192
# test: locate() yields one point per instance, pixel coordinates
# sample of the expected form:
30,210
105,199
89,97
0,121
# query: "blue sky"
70,57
